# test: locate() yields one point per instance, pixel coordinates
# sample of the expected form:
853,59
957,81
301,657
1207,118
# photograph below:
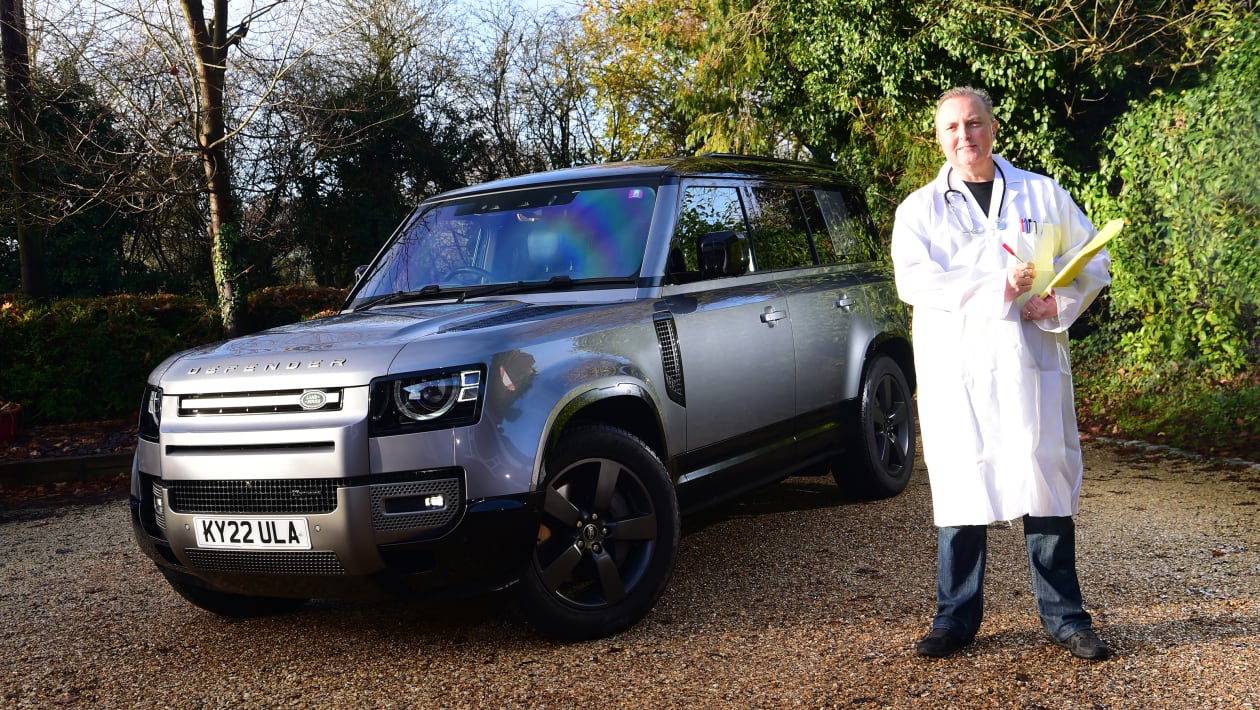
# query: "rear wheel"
881,459
608,537
223,603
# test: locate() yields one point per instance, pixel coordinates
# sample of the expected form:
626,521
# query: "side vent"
671,358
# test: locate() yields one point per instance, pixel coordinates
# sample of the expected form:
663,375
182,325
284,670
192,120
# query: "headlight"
421,401
150,413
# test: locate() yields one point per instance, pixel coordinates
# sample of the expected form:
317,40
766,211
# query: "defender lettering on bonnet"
532,382
267,367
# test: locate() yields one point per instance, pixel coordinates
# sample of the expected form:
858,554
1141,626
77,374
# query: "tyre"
881,457
607,540
238,606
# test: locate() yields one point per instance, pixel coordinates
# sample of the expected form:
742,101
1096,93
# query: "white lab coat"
998,427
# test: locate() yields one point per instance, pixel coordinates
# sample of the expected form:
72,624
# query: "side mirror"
723,253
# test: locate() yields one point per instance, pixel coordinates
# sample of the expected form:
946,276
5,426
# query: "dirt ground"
790,596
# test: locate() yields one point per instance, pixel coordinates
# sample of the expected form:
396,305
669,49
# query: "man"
973,251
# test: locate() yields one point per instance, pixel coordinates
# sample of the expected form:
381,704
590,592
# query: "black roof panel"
717,165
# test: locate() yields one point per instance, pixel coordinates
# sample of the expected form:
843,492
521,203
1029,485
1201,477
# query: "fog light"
410,505
159,507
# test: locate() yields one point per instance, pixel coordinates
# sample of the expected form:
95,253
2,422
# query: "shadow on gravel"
798,493
1193,630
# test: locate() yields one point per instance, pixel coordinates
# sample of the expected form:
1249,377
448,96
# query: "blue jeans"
1051,542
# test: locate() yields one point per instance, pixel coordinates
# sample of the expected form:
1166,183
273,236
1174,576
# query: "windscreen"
576,231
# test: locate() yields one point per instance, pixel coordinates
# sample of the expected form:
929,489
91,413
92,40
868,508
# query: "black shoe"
940,643
1086,644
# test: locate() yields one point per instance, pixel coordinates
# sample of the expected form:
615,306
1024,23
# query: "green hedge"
87,359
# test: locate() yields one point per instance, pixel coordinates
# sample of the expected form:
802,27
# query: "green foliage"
1185,269
855,81
278,305
1185,406
87,359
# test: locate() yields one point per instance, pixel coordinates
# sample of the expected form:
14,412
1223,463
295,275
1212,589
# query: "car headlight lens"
421,401
150,413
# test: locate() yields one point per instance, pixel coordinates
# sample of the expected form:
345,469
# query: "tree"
210,41
186,88
376,154
634,84
376,123
15,53
855,81
535,101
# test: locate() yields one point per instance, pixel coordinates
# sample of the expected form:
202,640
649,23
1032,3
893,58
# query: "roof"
713,164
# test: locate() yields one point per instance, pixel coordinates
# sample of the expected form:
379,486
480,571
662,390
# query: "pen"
1010,251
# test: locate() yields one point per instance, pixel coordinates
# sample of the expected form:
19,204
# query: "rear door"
819,248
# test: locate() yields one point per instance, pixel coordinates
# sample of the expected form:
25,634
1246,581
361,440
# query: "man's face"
966,135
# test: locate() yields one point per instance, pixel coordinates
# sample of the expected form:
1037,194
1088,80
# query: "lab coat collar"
1013,176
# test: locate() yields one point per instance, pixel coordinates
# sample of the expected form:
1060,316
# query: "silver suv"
526,386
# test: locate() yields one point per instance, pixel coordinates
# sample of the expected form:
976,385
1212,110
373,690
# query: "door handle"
771,315
845,302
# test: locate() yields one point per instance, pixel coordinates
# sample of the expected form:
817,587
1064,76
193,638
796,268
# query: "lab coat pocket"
1042,244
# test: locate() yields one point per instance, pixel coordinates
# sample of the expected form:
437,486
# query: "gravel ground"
790,597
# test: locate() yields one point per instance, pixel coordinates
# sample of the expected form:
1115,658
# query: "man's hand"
1037,307
1019,279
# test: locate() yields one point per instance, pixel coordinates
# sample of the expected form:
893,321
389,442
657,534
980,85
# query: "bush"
1185,405
81,360
1185,269
278,305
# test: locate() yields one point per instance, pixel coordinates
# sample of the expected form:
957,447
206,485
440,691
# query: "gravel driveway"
790,597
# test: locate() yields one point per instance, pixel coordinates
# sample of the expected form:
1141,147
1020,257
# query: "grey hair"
969,92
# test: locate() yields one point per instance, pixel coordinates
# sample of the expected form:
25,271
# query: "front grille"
273,562
309,496
272,402
302,447
671,357
402,495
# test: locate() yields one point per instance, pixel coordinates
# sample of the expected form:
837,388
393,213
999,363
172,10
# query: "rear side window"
851,238
780,236
817,223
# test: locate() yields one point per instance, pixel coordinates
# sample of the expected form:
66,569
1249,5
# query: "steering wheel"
467,276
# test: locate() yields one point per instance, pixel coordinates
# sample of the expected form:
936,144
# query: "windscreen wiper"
421,294
555,283
559,281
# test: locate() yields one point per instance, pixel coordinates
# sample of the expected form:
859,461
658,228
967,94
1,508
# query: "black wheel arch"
894,344
626,406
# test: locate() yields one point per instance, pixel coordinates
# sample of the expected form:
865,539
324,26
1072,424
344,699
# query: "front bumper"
368,538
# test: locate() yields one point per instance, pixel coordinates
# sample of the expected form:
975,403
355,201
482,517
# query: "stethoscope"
954,198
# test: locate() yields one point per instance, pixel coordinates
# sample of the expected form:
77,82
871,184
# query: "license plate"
239,533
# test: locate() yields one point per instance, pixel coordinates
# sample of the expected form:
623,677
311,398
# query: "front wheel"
224,603
608,537
881,458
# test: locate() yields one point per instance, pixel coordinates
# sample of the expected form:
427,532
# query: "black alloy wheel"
883,452
608,536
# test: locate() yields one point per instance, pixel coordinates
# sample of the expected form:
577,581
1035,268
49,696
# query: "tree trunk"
210,44
17,86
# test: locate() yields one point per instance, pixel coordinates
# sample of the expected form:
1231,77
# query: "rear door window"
849,230
780,238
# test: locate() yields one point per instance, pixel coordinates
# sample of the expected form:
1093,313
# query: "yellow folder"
1068,273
